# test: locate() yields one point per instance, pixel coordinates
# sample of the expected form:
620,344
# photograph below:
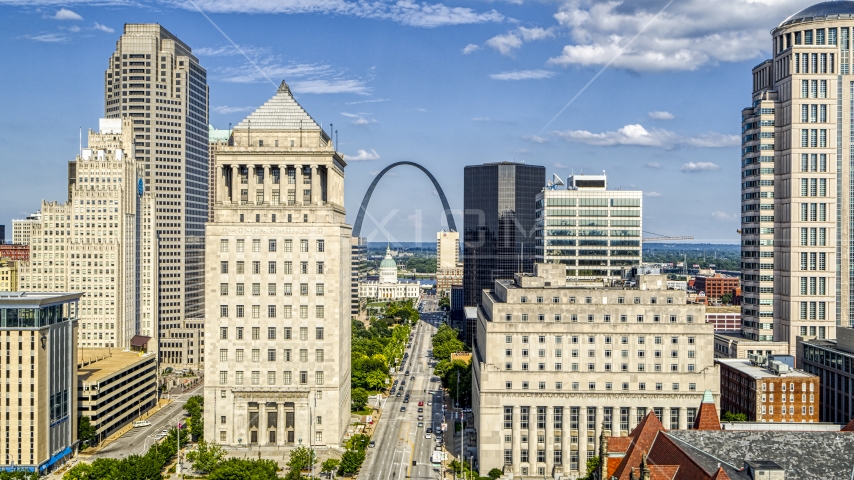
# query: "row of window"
537,418
287,289
591,318
813,187
558,353
591,339
589,300
287,355
272,311
813,88
813,162
815,63
813,138
609,386
287,333
272,267
607,367
813,212
770,410
255,378
272,245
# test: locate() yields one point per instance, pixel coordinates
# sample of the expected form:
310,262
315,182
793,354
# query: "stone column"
262,423
582,439
283,184
615,422
235,183
298,184
219,183
550,437
281,433
665,417
633,418
315,185
600,417
268,182
517,438
683,418
565,432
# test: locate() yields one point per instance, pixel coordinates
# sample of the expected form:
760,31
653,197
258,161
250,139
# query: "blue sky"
443,84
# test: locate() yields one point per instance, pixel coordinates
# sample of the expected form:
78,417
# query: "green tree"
85,430
240,469
195,409
359,398
726,298
351,461
302,459
206,456
592,467
330,465
733,417
494,473
81,471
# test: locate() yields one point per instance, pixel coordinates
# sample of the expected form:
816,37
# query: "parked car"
372,444
429,430
141,423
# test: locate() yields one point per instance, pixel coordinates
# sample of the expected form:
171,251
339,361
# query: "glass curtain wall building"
499,225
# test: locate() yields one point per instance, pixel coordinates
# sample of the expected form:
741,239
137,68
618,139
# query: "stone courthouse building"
277,270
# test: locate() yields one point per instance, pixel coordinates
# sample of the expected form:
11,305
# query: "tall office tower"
449,270
2,234
796,229
499,225
359,269
154,79
279,280
594,231
556,365
100,242
39,333
22,230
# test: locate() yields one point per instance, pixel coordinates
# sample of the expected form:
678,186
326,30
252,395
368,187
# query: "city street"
399,439
138,440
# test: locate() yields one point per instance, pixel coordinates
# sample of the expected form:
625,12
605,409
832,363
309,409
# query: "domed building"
796,177
388,287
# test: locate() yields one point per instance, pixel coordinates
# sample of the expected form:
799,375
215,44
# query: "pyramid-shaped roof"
282,112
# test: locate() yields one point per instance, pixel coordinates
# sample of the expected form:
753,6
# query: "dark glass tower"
499,225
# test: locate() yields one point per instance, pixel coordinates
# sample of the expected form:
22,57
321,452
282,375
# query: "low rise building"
556,365
724,319
717,285
833,362
15,251
711,451
22,229
388,287
734,345
768,390
185,344
39,333
8,275
115,387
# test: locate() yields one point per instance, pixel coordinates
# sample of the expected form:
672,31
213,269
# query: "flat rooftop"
729,309
748,368
96,364
29,299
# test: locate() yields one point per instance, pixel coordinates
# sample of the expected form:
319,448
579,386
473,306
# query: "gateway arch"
357,227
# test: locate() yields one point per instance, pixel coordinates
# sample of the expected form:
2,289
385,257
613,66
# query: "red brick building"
718,285
766,395
15,251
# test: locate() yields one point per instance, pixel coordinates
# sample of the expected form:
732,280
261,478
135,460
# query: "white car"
141,423
428,435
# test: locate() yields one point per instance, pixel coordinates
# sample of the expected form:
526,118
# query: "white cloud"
405,12
534,138
302,77
522,151
359,118
693,167
685,36
723,216
523,75
363,155
376,100
653,165
559,165
103,28
661,115
470,48
638,135
66,14
228,50
652,194
506,43
481,119
47,38
74,29
225,109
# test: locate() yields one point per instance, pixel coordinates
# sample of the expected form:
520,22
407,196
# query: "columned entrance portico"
271,417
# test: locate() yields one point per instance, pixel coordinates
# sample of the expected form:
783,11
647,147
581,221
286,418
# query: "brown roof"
643,437
139,341
707,417
619,444
720,475
849,427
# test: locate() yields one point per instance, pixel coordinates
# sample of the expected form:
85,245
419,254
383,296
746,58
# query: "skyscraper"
154,79
796,174
578,224
279,279
499,225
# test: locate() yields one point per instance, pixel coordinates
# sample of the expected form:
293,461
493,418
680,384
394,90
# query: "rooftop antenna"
336,140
